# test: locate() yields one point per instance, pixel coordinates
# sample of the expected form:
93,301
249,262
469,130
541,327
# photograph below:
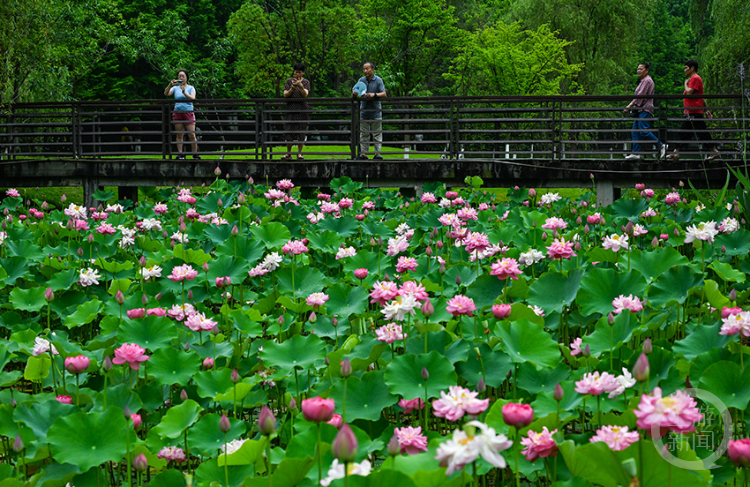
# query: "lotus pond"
244,335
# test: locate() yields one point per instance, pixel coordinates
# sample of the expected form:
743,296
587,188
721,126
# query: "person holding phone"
183,115
370,111
297,89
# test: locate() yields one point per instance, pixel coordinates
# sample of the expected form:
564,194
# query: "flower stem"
320,458
518,449
226,468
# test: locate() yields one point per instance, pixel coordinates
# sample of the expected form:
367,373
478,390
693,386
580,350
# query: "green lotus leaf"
88,439
595,462
120,396
272,234
488,365
661,472
660,362
169,478
307,280
345,226
374,263
121,285
251,250
404,375
28,299
213,382
171,366
535,380
378,478
178,418
245,393
247,321
289,473
26,249
735,243
574,482
726,272
218,233
226,265
84,314
325,241
14,268
112,267
599,254
365,398
40,416
526,342
190,256
701,338
629,208
151,332
554,290
674,286
606,336
5,355
728,382
345,300
654,263
545,403
209,472
485,289
297,352
600,287
250,453
37,368
63,279
714,295
206,435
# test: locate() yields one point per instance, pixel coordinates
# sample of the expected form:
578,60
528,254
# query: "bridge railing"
541,128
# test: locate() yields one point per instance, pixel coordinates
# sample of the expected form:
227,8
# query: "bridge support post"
605,192
90,186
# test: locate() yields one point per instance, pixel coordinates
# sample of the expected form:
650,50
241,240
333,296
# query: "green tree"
505,60
728,47
271,36
603,36
411,41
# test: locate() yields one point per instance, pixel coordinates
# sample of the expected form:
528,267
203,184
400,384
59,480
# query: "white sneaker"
633,157
663,151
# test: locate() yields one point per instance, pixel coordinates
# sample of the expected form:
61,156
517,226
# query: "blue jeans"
642,131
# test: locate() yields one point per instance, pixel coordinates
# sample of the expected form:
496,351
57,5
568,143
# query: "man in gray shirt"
370,114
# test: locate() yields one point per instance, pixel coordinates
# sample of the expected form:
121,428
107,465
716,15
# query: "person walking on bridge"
643,110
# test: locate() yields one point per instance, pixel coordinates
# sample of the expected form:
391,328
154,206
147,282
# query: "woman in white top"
183,116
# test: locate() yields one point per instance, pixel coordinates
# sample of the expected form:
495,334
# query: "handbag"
635,113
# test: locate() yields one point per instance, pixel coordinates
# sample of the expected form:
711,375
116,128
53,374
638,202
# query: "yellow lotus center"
668,402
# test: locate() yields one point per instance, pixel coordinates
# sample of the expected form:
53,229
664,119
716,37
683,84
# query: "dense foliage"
244,335
128,49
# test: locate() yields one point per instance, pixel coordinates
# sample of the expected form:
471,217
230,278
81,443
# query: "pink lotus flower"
739,452
222,282
615,242
345,203
648,213
647,193
171,454
12,192
501,311
77,364
476,241
411,440
617,438
677,413
727,311
317,409
596,383
457,402
555,223
594,219
284,184
413,405
336,421
295,247
324,197
451,195
136,313
517,415
64,399
183,272
467,445
156,312
131,354
461,305
361,274
575,347
199,322
406,264
383,291
623,302
640,186
416,289
137,420
317,299
736,323
539,445
560,249
389,333
506,268
428,198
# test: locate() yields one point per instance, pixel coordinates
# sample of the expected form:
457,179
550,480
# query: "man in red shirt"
694,123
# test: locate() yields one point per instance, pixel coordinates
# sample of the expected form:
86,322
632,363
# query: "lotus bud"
107,364
224,424
442,268
517,415
723,249
137,421
219,203
292,405
126,412
241,199
655,242
394,448
344,446
140,463
186,346
481,386
439,244
361,273
208,363
119,298
266,422
579,220
458,279
235,231
190,295
183,228
501,311
18,445
217,171
166,235
544,235
49,296
425,373
688,384
641,370
158,296
676,232
428,309
80,252
335,321
235,376
732,295
63,198
532,193
183,395
327,361
313,317
647,347
629,227
90,238
610,319
577,245
428,251
558,393
587,351
346,367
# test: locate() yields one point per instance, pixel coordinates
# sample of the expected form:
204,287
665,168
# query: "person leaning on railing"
183,115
